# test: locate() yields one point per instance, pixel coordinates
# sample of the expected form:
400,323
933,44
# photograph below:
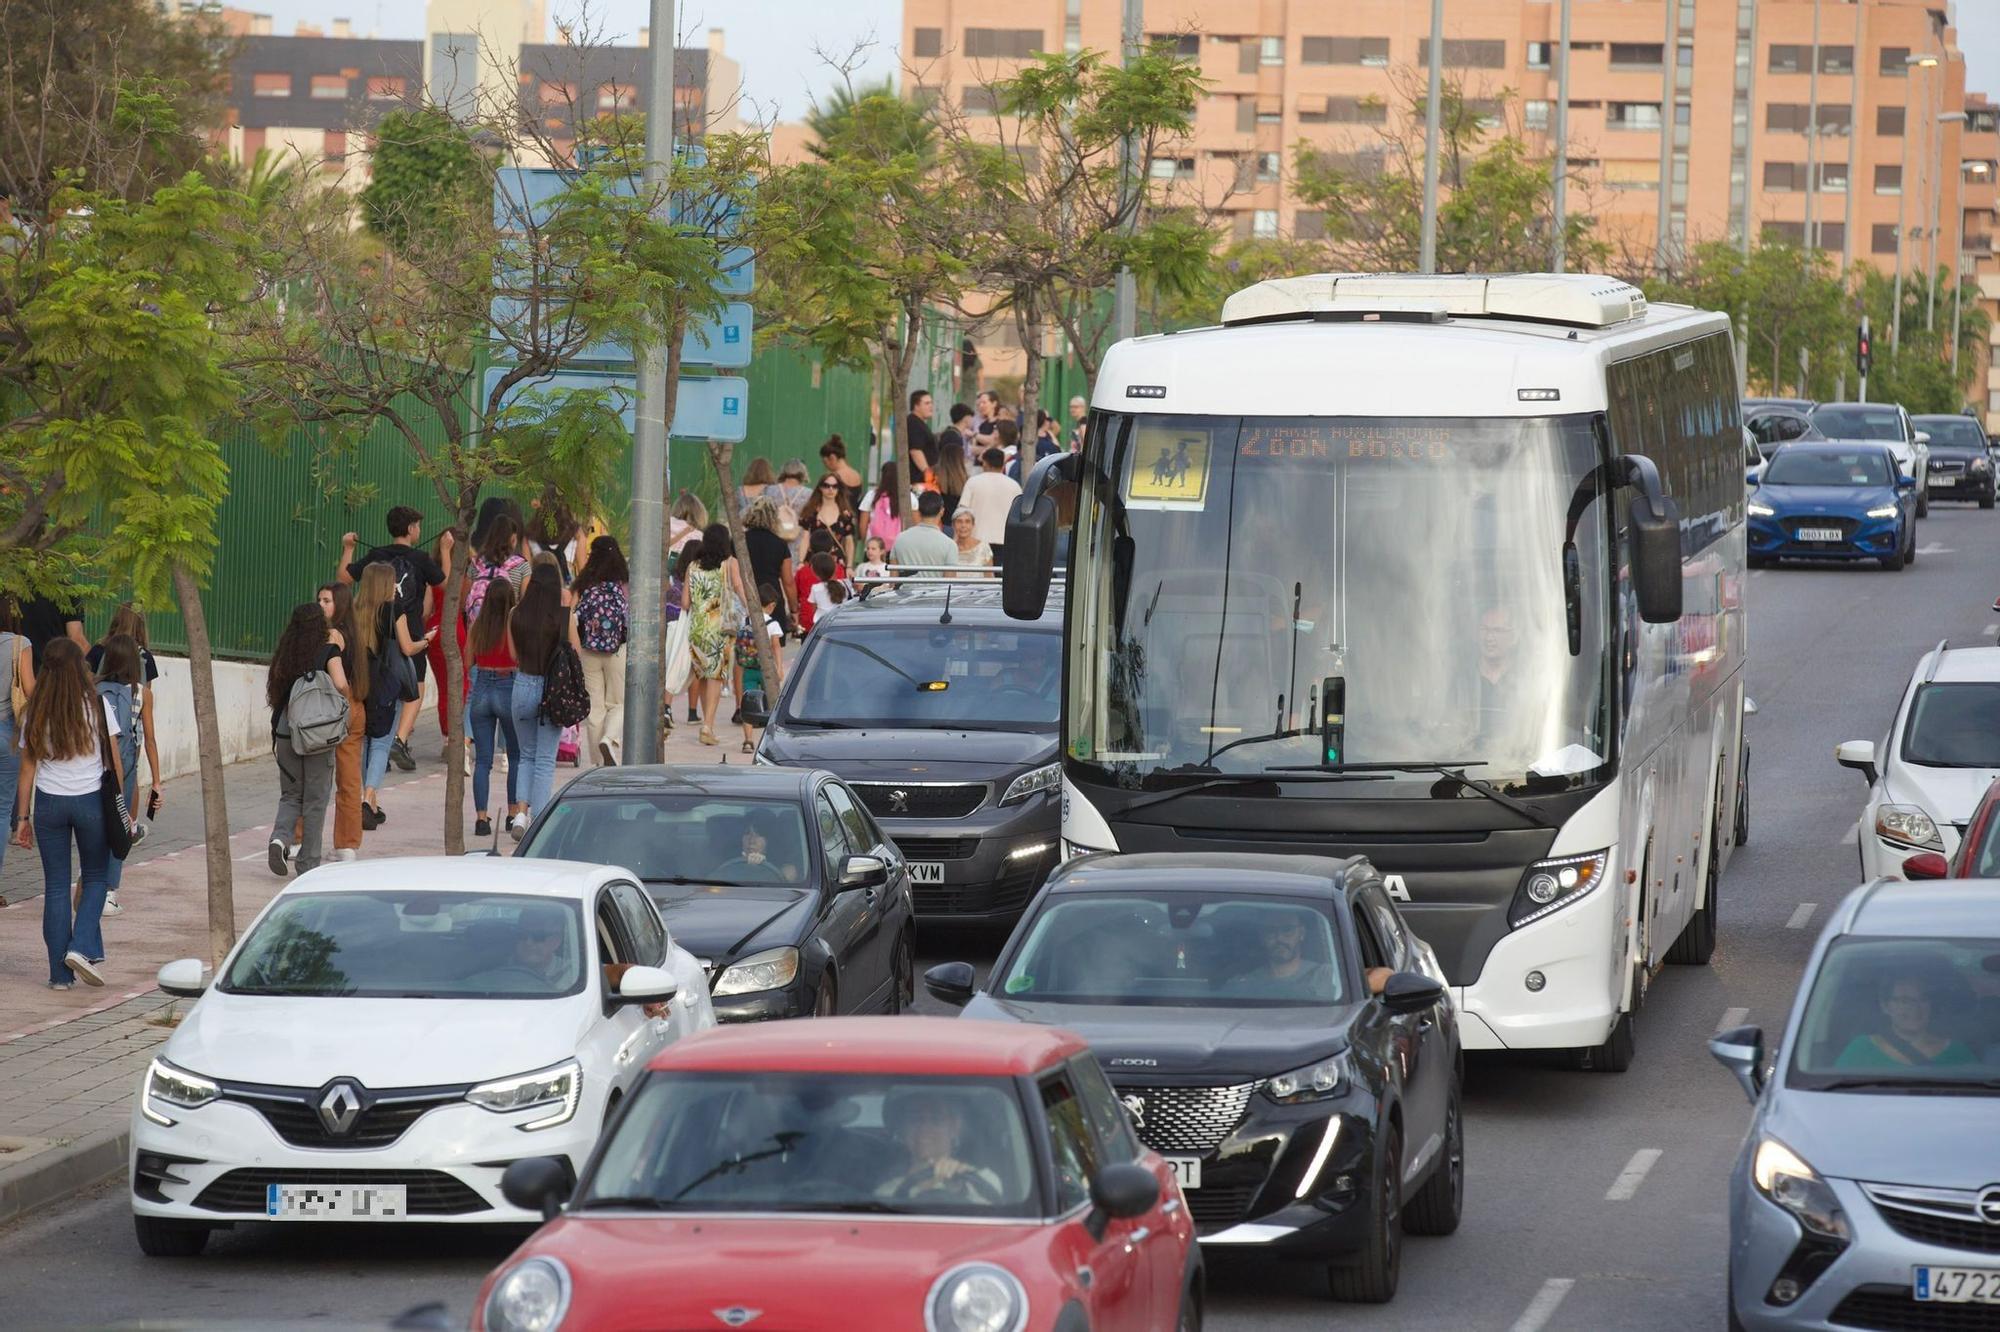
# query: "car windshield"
1828,467
1194,948
1953,432
819,1142
939,676
412,944
663,838
1852,421
1954,726
1889,1014
1771,429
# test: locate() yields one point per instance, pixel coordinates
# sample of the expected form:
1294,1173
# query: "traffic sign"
712,407
723,342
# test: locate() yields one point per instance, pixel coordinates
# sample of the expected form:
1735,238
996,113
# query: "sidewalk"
70,1060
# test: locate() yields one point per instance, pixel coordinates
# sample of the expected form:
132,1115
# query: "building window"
1270,50
1836,60
557,94
1889,179
1540,54
1632,175
270,85
1370,51
1002,43
1485,111
1270,115
1264,223
927,43
385,88
1246,115
979,101
1882,238
1891,62
1268,166
327,88
1789,59
1246,60
1833,177
926,95
1889,120
1632,116
615,97
1785,117
1170,168
1637,55
1836,116
1784,176
1784,233
1186,45
1343,111
1982,122
1535,115
1832,235
1464,53
1309,224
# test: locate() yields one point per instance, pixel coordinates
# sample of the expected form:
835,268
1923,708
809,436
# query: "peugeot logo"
1135,1110
339,1108
1988,1204
899,802
736,1315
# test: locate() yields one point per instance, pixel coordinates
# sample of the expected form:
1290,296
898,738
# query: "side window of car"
1107,1117
611,943
1373,954
1388,927
860,837
642,924
833,839
1072,1147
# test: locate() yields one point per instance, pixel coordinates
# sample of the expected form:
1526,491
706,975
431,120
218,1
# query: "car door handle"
1138,1237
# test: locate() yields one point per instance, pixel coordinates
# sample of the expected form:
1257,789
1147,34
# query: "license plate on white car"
1821,534
1956,1285
927,871
1187,1169
336,1202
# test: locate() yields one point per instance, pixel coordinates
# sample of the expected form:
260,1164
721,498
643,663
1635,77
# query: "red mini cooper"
867,1173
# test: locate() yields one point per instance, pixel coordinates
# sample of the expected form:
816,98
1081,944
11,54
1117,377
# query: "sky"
783,45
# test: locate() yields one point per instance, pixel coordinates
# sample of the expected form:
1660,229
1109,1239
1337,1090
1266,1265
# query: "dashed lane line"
1543,1307
1990,631
1731,1017
1801,914
1633,1175
1852,835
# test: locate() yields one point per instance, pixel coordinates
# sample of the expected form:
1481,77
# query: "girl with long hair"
684,560
336,603
603,612
685,522
830,511
828,589
883,520
305,781
490,702
68,740
756,477
128,620
712,597
121,682
378,631
17,666
541,621
949,475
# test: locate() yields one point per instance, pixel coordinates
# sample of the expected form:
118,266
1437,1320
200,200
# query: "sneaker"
62,985
80,967
400,755
292,851
604,754
111,907
517,825
694,713
280,866
344,853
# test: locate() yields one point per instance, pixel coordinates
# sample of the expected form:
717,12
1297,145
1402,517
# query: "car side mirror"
951,983
1118,1193
537,1184
863,872
1923,437
645,985
1741,1051
757,707
1926,865
1410,992
182,979
1906,483
1858,755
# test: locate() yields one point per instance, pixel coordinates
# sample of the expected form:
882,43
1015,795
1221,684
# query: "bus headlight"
1551,885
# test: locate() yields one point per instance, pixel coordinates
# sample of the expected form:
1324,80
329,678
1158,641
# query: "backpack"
316,713
600,617
565,698
123,698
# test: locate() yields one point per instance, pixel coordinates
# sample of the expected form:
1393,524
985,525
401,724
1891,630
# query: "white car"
389,1034
1882,423
1941,753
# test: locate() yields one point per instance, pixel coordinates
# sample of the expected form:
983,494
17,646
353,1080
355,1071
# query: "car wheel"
903,975
162,1237
1370,1278
1436,1208
1190,1319
1614,1053
823,998
1910,554
1924,503
1986,500
1893,563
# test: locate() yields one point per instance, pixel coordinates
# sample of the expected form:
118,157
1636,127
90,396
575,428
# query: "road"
1594,1201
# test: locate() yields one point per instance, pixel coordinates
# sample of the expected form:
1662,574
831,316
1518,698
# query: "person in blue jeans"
539,623
120,683
16,663
379,630
489,707
63,760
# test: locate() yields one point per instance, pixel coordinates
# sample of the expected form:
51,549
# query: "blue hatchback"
1833,502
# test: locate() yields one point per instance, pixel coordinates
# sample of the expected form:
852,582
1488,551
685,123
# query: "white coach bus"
1443,571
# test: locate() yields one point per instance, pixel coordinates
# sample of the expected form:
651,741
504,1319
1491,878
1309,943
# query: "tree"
425,172
1784,300
1228,269
1915,370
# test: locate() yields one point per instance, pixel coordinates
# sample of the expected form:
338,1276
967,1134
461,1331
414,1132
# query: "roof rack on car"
1937,660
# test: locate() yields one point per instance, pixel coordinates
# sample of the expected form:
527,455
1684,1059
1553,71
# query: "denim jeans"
57,819
537,741
375,760
10,778
490,709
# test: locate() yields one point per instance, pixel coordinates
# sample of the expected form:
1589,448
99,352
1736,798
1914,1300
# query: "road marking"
1933,548
1852,835
1732,1017
1543,1307
1989,631
1801,915
1633,1175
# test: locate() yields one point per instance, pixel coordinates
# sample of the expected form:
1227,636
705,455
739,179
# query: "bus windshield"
1254,593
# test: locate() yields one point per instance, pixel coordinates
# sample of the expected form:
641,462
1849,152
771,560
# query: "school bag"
316,712
565,698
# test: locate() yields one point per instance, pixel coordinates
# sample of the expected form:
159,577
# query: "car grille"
1009,892
1946,466
1890,1309
1190,1119
431,1192
1215,1207
1946,1217
938,848
293,1112
912,800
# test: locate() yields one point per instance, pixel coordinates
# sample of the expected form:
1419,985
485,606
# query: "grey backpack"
316,713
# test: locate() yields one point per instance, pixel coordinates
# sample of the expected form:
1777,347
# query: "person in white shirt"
991,495
972,552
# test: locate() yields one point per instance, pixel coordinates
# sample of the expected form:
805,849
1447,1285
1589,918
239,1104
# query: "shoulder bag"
110,794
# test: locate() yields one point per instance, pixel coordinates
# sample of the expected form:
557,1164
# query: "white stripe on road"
1731,1017
1801,915
1935,548
1633,1175
1852,835
1989,631
1543,1306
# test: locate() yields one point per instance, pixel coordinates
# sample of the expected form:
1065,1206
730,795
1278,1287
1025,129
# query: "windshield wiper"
852,1205
1910,1084
785,1142
1454,771
633,1200
1211,780
681,880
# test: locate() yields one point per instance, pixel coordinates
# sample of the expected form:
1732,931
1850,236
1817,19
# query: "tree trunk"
1028,324
208,744
767,656
903,367
451,696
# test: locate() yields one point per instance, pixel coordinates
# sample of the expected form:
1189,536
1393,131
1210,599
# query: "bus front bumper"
1549,984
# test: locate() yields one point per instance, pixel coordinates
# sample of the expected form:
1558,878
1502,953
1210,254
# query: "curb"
55,1174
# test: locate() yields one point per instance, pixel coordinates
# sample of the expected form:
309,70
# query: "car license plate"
1944,481
336,1202
1187,1169
927,871
1957,1285
1821,534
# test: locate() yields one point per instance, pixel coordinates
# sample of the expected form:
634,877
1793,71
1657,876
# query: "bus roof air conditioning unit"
1582,300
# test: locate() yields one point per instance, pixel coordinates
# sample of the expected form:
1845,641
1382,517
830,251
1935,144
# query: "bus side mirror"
1653,529
1031,542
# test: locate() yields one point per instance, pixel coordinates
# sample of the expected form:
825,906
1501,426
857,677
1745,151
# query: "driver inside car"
539,933
931,1128
754,864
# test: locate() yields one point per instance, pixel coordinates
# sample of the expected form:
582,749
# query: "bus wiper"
1212,780
1455,772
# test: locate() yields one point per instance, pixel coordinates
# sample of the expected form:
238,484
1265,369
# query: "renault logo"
899,802
1135,1109
339,1107
1989,1204
736,1315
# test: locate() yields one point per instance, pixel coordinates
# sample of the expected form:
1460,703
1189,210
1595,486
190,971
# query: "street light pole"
1903,194
644,657
1957,280
1812,134
1427,259
1125,294
1937,207
1562,143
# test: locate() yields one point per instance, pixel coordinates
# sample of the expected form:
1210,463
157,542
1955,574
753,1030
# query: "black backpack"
565,698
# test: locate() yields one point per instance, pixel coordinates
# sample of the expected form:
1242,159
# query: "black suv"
1961,459
941,713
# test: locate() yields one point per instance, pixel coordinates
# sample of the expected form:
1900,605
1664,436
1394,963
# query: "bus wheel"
1743,800
1613,1055
1697,942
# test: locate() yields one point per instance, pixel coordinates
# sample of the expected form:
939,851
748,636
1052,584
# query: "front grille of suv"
1189,1120
915,800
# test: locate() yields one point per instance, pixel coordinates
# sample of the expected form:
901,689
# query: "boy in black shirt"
416,574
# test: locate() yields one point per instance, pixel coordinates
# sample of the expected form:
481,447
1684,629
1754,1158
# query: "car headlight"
1910,826
1314,1082
772,969
1551,885
1044,778
559,1087
1978,465
531,1298
168,1085
1886,511
1786,1180
978,1297
1758,510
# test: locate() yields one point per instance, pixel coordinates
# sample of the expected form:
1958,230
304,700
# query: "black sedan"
776,878
1275,1032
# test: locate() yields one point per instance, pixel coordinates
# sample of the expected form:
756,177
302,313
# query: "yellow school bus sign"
1169,468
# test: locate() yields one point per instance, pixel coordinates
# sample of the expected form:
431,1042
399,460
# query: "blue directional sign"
724,341
739,271
716,407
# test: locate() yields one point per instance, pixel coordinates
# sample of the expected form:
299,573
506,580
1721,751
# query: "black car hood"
1957,452
858,755
1223,1045
721,924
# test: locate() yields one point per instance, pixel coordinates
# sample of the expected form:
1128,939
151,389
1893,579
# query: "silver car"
1867,1194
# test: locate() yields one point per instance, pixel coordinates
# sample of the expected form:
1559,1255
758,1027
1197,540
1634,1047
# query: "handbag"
111,796
402,672
11,645
680,657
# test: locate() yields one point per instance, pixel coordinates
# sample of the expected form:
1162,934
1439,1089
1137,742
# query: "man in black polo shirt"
416,573
44,620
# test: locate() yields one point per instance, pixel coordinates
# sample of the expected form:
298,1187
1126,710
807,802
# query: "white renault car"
1942,752
389,1035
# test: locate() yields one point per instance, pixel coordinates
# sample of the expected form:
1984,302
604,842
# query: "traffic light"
1862,351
